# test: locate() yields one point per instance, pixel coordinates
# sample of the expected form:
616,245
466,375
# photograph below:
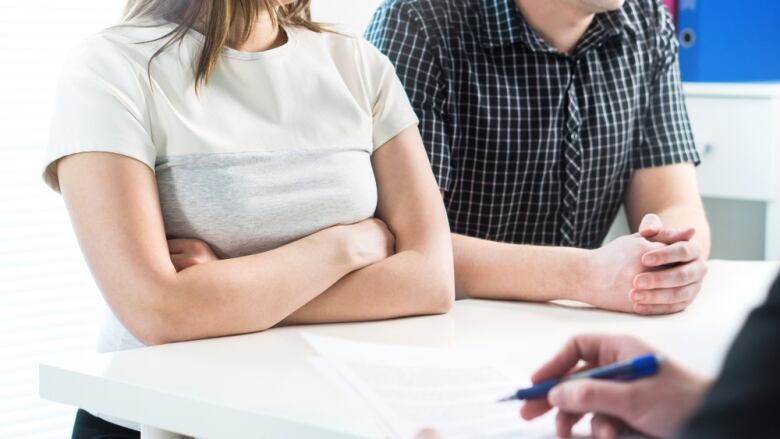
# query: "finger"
587,395
683,251
605,427
565,421
651,224
177,245
671,235
582,347
177,262
673,277
663,296
534,408
669,308
183,261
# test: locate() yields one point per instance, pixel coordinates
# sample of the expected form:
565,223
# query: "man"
541,118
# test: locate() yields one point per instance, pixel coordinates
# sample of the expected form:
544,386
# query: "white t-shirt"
275,147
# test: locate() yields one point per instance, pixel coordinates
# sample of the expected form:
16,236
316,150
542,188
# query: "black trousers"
87,426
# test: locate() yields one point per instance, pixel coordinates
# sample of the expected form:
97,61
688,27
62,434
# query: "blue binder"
729,41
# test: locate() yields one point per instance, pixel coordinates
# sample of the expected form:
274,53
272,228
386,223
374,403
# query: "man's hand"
675,271
188,252
655,406
612,270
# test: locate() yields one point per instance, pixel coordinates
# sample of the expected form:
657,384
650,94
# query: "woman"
243,124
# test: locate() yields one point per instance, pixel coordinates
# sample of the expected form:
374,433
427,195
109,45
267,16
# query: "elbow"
153,317
443,301
151,326
441,289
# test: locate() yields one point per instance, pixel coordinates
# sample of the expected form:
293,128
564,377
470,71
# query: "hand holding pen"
627,370
655,405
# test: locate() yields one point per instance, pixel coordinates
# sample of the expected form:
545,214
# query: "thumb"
591,396
650,225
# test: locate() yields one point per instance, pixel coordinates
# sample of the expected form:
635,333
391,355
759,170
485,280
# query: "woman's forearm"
419,278
249,293
115,210
407,283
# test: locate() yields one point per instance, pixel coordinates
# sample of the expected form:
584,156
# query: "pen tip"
508,398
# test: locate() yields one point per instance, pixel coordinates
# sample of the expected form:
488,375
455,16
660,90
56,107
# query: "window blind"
49,305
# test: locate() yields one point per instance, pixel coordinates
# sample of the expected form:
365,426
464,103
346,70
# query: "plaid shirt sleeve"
667,137
399,32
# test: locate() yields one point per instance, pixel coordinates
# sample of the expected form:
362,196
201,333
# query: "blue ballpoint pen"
628,370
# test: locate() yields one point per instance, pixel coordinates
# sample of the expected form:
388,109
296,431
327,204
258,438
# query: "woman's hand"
655,406
363,243
367,242
188,252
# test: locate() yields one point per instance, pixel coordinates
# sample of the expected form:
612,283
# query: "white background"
48,303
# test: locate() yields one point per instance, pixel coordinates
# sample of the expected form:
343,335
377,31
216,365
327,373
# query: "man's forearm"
407,283
493,270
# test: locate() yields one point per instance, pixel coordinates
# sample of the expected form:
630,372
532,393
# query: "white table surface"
261,385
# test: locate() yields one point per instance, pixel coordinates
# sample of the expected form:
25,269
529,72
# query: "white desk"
260,385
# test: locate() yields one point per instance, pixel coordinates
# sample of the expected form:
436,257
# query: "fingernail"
638,297
642,282
650,260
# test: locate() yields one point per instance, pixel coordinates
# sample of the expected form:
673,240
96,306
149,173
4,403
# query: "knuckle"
686,293
686,252
691,273
199,246
681,275
582,396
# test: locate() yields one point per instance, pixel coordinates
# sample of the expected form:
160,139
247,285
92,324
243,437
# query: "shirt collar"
504,25
501,23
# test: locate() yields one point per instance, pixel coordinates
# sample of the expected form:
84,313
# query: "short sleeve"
100,106
398,32
391,111
667,138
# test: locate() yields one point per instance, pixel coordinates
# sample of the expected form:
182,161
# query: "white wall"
354,14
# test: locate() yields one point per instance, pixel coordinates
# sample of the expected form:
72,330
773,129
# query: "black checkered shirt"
530,145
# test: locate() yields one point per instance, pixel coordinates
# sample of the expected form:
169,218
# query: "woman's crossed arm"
114,206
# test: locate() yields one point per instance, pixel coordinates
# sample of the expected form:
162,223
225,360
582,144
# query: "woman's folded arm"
114,206
419,278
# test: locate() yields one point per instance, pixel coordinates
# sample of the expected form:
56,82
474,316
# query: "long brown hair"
222,22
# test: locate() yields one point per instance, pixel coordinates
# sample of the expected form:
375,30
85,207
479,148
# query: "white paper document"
409,388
